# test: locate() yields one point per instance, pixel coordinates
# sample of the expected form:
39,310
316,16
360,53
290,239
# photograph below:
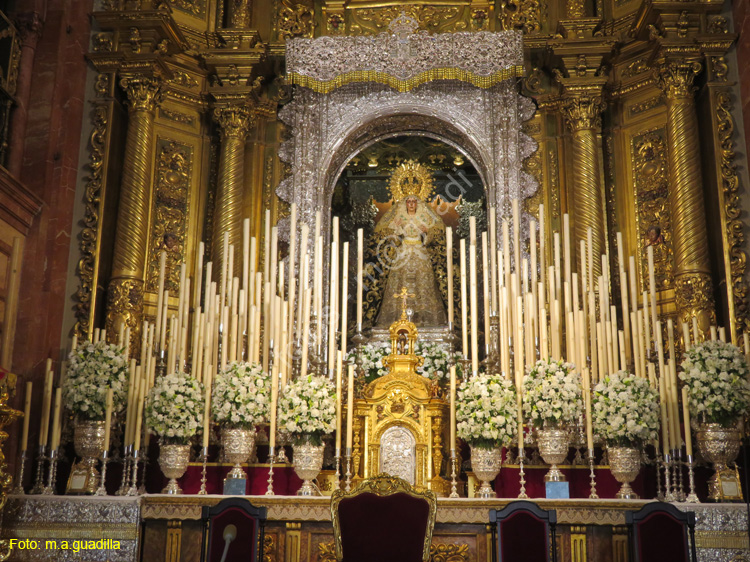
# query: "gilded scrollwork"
438,552
170,212
735,234
649,155
125,309
195,8
583,112
525,15
144,92
369,21
295,19
676,78
234,121
89,234
693,294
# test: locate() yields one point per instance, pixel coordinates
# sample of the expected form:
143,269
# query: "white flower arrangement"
435,367
241,395
715,374
552,394
93,368
174,407
625,410
486,411
307,408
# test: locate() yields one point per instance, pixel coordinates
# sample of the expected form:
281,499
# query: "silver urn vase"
173,461
624,464
720,446
238,446
553,446
308,462
88,440
486,463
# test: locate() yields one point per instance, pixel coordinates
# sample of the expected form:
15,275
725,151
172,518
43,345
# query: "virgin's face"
411,205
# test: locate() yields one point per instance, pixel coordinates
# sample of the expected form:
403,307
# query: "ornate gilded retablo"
402,360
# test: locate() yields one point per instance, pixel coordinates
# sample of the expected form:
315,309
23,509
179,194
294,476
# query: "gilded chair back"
383,518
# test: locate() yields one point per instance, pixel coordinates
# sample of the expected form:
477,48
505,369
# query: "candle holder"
492,359
337,477
521,474
348,481
592,477
133,488
161,363
102,489
39,480
49,489
692,496
678,469
668,494
18,488
271,455
454,489
465,363
204,460
144,463
122,490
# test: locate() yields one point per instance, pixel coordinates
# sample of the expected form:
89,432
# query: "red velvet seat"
659,533
383,519
248,521
522,533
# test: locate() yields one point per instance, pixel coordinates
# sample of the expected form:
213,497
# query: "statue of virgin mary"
408,241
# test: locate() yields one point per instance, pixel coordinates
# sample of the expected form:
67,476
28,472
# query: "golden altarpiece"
621,114
400,421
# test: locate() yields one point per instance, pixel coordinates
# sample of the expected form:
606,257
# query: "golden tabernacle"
482,261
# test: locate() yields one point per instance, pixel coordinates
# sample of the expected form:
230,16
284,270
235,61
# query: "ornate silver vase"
486,465
308,462
238,446
553,446
625,464
88,440
720,446
173,461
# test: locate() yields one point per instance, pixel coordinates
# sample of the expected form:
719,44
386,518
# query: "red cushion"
242,548
661,538
379,528
523,538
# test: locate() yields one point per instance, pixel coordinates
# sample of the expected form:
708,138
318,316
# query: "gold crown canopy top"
411,178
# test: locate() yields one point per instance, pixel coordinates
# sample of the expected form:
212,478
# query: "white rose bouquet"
307,408
174,407
372,359
241,396
486,411
552,393
625,410
715,374
93,368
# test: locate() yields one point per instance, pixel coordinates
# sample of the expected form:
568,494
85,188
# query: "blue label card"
234,486
557,490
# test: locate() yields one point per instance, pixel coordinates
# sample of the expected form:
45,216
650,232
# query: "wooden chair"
383,518
523,532
659,533
233,531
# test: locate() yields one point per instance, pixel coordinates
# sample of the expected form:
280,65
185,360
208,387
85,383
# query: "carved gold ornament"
411,178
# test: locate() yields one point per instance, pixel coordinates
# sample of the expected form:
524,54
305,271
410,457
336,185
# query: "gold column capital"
583,111
676,78
234,120
144,92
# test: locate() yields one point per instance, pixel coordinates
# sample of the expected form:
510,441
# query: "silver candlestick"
271,454
522,474
204,456
18,488
125,471
337,477
49,489
133,488
678,470
592,477
102,490
348,481
454,489
668,494
39,480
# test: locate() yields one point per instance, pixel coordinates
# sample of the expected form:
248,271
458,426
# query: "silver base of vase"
554,475
172,488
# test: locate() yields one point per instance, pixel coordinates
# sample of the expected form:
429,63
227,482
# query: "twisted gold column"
234,123
125,294
693,287
583,115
